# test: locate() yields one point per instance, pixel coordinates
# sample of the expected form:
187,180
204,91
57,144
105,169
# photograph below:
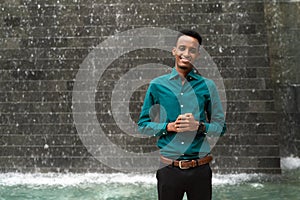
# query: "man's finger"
181,117
183,125
182,122
188,115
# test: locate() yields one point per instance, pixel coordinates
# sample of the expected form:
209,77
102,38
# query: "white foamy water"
233,179
71,179
290,163
39,179
74,179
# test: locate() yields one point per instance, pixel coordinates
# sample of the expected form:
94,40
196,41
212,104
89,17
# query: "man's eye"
193,50
181,48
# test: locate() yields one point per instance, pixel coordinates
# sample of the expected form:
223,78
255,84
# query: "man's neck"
182,72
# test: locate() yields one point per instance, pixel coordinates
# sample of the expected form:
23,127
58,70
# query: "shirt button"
181,93
181,106
182,142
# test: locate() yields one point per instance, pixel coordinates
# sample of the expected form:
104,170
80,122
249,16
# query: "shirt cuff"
206,127
163,130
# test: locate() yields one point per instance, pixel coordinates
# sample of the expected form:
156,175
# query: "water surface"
90,186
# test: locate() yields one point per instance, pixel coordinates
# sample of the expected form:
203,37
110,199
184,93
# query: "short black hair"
190,33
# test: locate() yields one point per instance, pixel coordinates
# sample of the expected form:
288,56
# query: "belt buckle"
180,164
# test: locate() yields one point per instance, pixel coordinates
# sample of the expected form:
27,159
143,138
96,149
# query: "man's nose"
186,53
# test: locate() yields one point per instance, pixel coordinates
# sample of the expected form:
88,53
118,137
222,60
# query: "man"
182,108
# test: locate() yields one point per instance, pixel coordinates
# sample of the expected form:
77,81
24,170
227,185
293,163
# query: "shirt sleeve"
145,125
216,126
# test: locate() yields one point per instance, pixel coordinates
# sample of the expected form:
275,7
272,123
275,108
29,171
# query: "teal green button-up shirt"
166,98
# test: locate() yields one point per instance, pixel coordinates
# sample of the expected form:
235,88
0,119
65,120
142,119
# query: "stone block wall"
43,43
284,52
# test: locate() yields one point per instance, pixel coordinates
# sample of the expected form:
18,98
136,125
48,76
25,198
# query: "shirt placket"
183,96
184,101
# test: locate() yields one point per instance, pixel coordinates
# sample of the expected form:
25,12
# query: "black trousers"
173,182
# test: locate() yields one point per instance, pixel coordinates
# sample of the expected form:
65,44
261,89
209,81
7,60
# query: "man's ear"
174,51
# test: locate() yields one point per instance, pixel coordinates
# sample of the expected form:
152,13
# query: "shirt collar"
174,74
193,74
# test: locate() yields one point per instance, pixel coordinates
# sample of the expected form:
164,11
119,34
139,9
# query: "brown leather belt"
186,164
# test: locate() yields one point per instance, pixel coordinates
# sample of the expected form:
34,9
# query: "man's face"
185,52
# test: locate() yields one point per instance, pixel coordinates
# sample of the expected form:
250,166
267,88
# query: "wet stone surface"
44,43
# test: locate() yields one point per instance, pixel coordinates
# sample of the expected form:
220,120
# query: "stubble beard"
185,68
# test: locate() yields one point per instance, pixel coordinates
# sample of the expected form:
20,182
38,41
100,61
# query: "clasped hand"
183,123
